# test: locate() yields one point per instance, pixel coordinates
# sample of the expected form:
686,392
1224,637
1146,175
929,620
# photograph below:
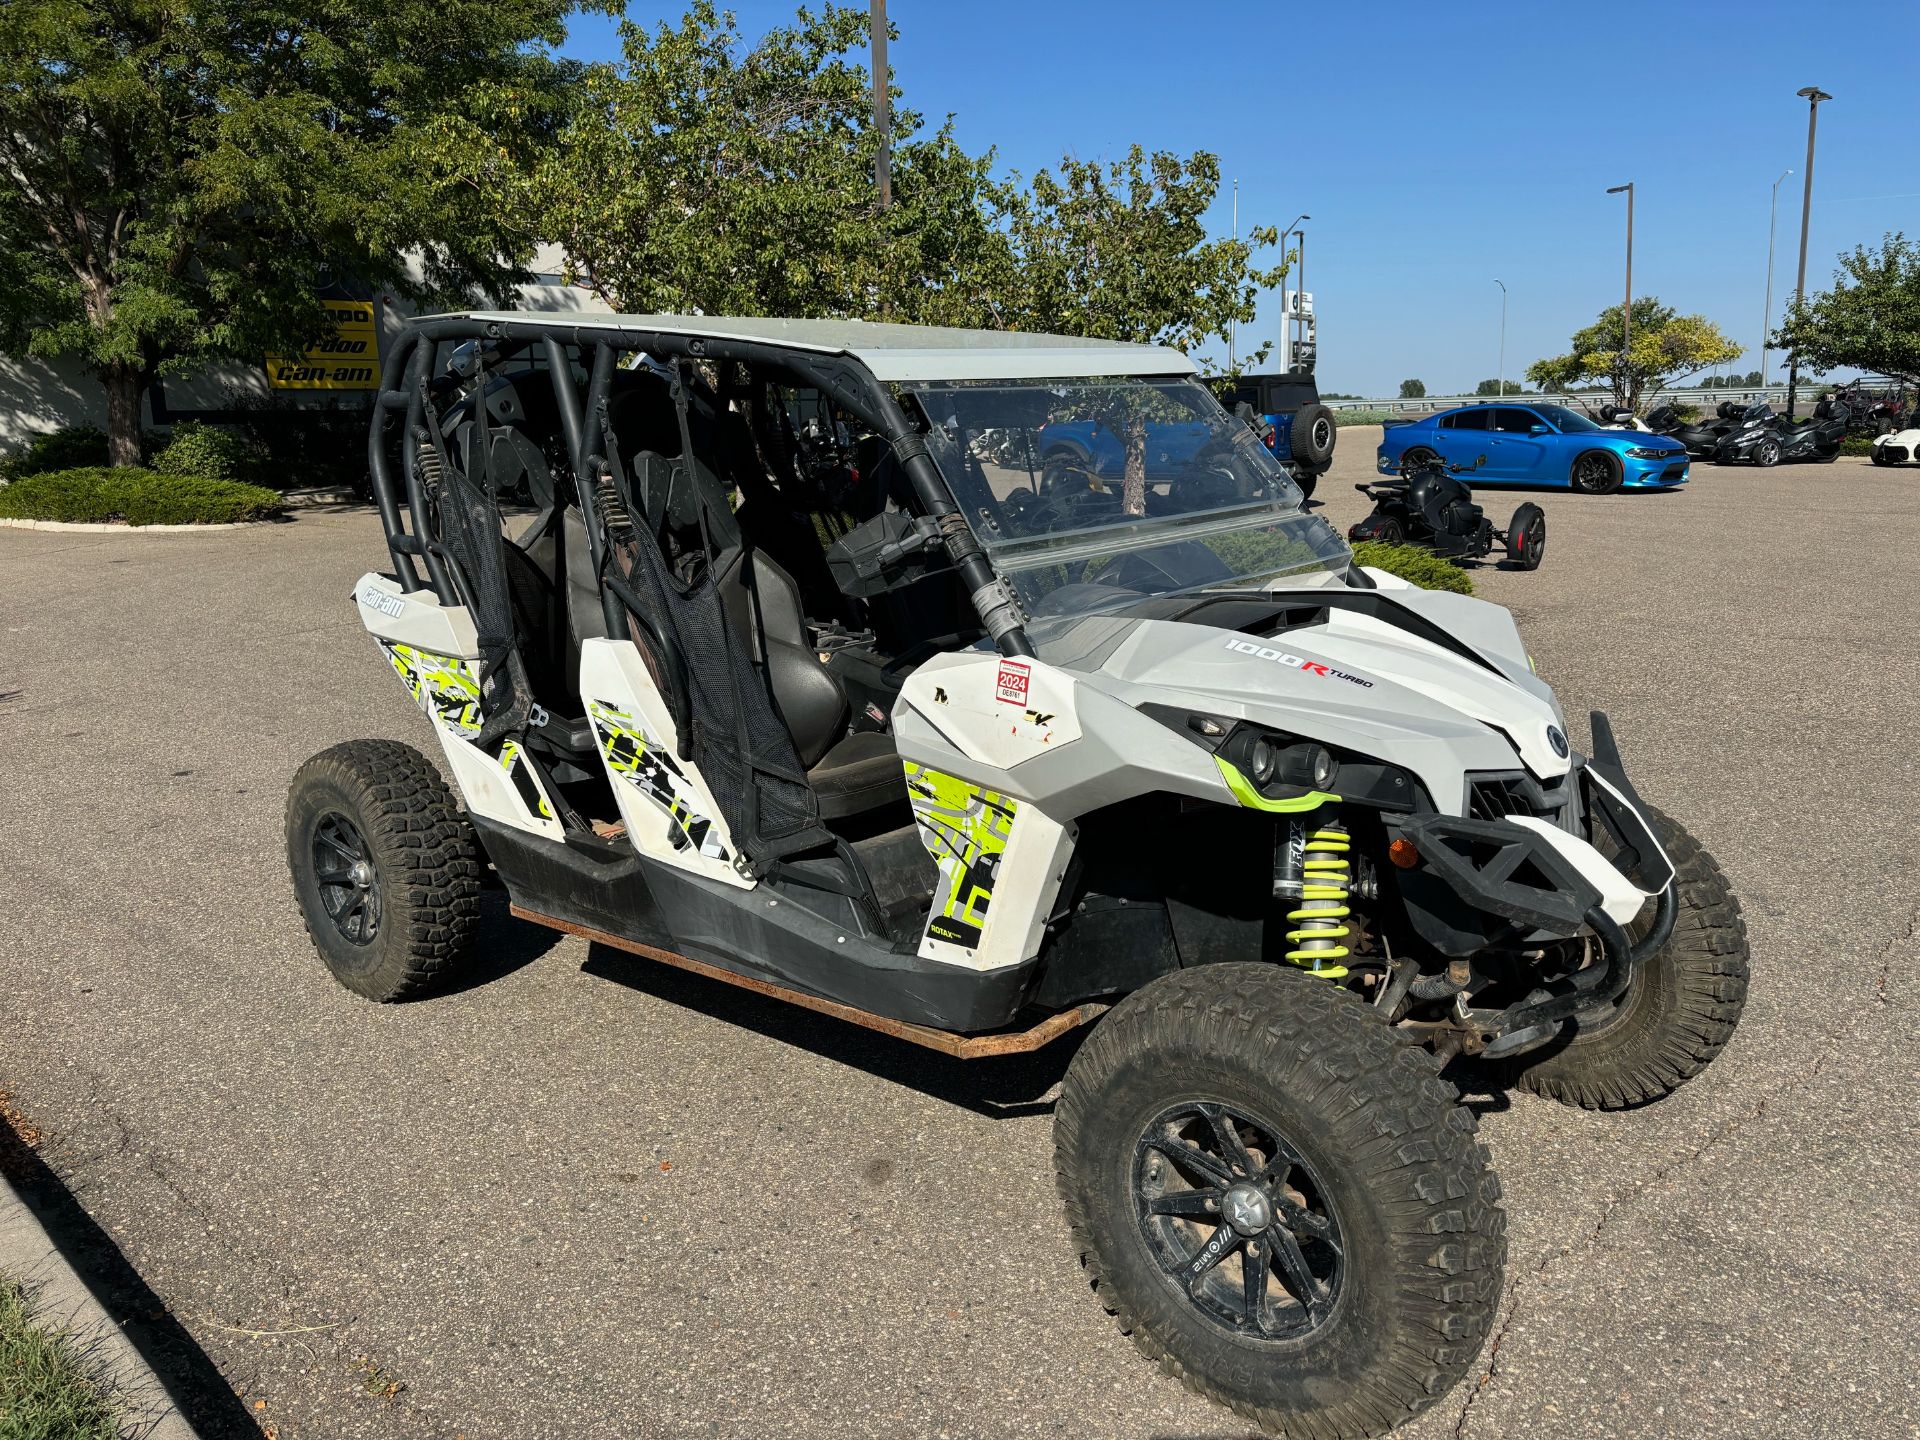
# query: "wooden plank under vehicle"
961,1047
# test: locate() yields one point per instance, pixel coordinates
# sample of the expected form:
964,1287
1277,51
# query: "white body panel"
670,814
1619,896
433,649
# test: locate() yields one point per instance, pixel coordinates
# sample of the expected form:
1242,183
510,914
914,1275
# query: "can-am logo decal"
1296,662
1011,688
1557,740
379,600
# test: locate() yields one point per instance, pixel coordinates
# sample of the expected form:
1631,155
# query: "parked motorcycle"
1428,505
1764,439
1701,438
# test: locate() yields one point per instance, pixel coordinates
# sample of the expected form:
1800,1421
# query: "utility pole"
882,105
1766,318
1626,310
1503,337
1813,95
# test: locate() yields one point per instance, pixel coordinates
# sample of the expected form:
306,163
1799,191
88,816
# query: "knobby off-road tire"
396,921
1676,1015
1380,1146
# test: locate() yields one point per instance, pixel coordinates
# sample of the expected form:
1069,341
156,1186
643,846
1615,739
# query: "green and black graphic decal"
440,684
651,770
448,688
521,773
965,827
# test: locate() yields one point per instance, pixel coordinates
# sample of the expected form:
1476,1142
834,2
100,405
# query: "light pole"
1626,310
1286,311
1766,318
1503,337
882,104
1813,95
1233,326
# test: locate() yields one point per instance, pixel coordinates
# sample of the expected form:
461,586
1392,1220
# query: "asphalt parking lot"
589,1196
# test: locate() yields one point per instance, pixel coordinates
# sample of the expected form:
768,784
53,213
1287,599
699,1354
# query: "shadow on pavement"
503,946
1004,1088
192,1381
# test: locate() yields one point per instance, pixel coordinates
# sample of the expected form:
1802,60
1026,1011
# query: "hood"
1437,684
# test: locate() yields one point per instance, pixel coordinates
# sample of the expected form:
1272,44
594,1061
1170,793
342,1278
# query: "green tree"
178,177
1121,251
1666,347
1508,386
1413,389
701,173
1869,320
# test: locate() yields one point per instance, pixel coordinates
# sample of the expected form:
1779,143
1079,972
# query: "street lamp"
1626,310
1286,311
1766,318
1503,337
1813,95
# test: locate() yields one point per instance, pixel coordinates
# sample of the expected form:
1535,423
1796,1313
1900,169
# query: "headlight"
1643,452
1276,772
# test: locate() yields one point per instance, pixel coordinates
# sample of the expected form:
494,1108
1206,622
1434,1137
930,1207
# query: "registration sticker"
1011,687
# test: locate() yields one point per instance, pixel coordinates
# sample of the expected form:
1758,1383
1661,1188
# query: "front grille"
1496,796
1675,472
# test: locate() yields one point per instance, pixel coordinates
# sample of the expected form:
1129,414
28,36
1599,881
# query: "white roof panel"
898,352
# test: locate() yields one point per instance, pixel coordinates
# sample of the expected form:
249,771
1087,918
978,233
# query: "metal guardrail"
1584,401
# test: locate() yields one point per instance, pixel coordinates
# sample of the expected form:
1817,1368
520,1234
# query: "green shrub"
1362,417
1411,563
209,452
139,497
65,449
1857,445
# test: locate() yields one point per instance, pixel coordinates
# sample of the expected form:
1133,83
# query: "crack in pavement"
1624,1197
1885,976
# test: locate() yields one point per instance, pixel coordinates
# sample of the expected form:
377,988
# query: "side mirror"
890,549
1538,430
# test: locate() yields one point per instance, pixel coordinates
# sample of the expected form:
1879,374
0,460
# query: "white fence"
1589,401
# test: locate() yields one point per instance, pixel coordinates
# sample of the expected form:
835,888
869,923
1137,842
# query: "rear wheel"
1279,1200
1596,473
1527,536
1390,532
1678,1012
1418,457
385,868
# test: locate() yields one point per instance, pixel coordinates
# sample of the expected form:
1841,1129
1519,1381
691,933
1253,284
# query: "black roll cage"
839,376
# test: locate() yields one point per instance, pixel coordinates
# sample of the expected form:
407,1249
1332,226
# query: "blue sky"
1440,146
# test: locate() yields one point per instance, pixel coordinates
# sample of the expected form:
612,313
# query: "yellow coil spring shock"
1321,913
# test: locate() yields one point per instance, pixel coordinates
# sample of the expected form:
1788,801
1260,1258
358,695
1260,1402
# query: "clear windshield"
1091,493
1567,422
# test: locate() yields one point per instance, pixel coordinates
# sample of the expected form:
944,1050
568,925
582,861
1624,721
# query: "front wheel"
1279,1200
1527,536
1767,453
1879,454
1676,1014
1596,473
385,868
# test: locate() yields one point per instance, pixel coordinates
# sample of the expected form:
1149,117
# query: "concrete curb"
86,526
62,1301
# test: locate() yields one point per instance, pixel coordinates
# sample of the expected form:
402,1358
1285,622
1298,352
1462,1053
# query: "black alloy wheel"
348,879
1767,452
1596,473
1238,1221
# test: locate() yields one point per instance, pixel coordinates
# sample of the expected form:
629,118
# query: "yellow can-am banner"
349,361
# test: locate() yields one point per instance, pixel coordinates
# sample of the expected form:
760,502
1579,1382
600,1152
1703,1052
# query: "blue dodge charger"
1537,445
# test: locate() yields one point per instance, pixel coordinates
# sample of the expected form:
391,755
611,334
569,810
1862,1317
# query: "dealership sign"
347,360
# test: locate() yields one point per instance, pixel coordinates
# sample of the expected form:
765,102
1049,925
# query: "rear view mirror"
1538,430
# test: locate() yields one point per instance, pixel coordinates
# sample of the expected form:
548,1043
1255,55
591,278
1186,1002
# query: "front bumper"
1656,474
1510,882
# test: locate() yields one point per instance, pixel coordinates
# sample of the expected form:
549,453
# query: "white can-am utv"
795,674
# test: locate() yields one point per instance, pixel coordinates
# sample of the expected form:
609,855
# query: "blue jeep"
1285,411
